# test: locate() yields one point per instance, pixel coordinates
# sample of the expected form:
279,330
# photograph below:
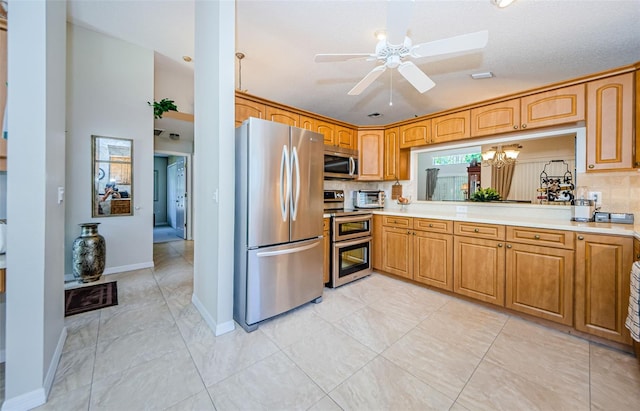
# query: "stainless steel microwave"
340,163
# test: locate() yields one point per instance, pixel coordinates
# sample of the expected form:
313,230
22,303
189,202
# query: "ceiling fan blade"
367,80
329,58
398,17
455,44
415,76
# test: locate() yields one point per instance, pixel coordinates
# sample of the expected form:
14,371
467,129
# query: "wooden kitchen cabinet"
550,108
282,116
637,146
327,130
636,249
560,106
396,161
247,108
397,246
602,276
451,127
371,152
479,261
433,252
539,278
306,123
376,246
326,233
345,137
415,134
610,123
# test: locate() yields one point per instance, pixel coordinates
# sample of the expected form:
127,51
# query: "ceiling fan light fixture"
502,3
478,76
380,34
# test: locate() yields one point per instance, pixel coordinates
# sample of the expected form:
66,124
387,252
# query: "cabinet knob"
580,237
430,225
414,233
475,230
524,126
591,166
509,246
537,237
409,232
499,244
515,126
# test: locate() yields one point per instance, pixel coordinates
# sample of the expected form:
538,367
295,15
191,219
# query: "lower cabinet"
539,281
397,254
603,266
376,246
478,270
433,253
326,233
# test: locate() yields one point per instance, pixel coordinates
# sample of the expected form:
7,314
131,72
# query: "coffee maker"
583,209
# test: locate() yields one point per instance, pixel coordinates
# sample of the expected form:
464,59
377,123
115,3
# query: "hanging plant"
162,106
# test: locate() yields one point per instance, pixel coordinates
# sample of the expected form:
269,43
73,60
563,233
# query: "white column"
36,168
214,162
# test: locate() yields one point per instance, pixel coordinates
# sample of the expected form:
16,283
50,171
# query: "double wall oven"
350,240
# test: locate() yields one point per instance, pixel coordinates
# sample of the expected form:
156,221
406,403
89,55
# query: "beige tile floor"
376,344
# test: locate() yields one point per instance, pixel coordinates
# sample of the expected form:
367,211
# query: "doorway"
171,215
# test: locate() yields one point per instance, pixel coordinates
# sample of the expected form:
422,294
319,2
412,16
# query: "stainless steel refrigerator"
278,220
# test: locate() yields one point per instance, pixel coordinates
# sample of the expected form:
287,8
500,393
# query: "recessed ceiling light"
374,115
502,3
478,76
186,58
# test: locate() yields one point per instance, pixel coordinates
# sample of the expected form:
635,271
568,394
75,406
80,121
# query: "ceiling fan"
394,50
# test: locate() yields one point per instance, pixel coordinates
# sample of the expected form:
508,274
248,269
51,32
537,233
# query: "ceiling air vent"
157,131
174,136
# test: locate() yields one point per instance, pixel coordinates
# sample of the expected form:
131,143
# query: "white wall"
214,163
174,81
35,262
109,84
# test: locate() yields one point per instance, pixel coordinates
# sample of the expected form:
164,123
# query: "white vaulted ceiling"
531,43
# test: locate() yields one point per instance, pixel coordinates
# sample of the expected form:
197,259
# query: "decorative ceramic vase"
89,254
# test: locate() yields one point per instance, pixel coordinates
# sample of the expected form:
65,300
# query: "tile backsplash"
620,190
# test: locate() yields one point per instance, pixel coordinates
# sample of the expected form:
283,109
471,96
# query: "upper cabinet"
306,123
610,123
371,152
451,127
345,137
327,130
396,161
247,108
282,116
560,106
637,163
415,134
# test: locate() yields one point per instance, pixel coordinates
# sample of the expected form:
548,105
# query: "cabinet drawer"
538,236
399,222
435,226
479,230
325,224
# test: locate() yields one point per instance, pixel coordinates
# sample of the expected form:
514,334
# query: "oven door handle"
352,219
348,243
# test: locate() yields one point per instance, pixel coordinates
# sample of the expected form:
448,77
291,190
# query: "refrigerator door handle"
285,173
352,166
288,250
295,164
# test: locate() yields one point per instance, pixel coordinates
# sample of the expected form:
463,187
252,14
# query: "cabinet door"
495,118
327,130
539,281
433,259
610,123
306,123
376,257
451,127
637,146
478,269
603,266
345,137
248,108
636,249
415,134
397,251
327,249
561,106
371,152
282,116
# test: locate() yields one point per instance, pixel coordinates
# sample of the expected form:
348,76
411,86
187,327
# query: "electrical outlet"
596,196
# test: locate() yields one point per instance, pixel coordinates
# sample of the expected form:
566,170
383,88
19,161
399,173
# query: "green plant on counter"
485,194
162,106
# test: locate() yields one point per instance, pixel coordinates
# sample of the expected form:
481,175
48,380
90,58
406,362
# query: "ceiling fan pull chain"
390,87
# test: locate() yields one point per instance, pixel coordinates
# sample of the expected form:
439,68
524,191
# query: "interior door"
171,195
181,197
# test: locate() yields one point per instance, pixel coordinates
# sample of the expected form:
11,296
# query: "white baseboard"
25,401
39,396
116,270
218,329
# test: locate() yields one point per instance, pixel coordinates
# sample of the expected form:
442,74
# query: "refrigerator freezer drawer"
283,277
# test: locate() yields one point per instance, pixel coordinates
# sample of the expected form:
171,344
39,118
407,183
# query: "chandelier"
501,155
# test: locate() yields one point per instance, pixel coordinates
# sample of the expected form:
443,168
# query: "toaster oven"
368,198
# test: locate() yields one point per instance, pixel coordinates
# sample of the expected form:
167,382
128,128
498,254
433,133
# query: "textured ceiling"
531,43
